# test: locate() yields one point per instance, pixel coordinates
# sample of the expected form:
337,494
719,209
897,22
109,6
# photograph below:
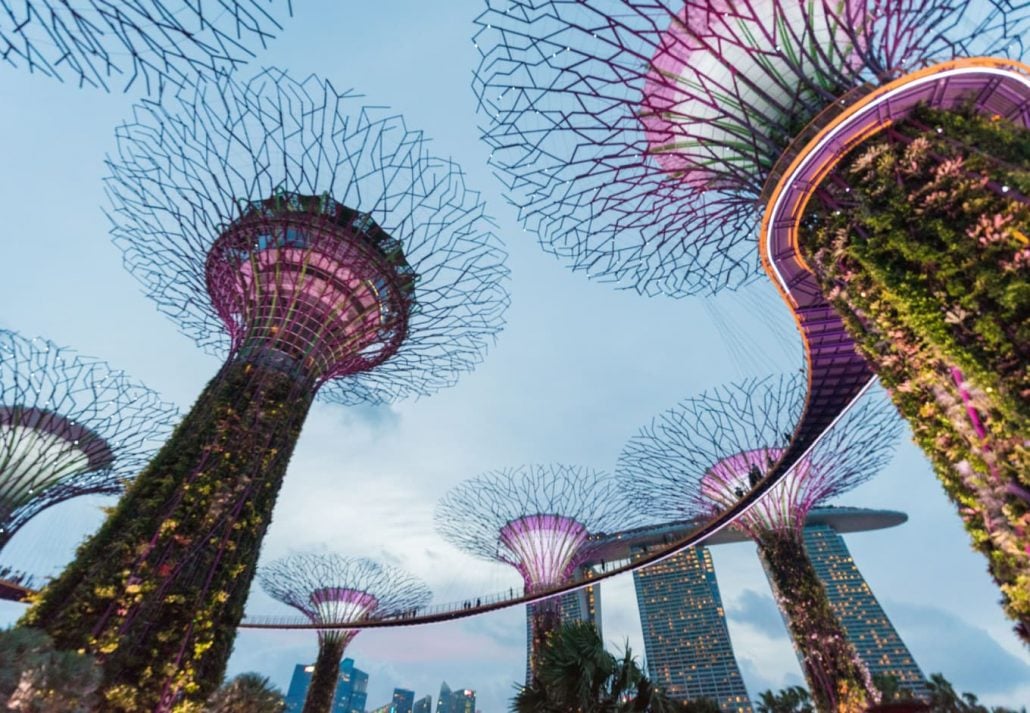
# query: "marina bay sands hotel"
686,640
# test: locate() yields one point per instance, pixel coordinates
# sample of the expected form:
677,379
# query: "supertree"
95,42
319,247
650,142
331,588
69,425
706,453
538,519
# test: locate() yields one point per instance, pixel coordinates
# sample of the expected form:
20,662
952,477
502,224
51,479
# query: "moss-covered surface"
923,246
837,679
158,592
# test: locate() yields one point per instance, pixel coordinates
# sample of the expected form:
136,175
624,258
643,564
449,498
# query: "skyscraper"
580,605
583,604
351,688
423,705
686,640
462,700
867,625
403,700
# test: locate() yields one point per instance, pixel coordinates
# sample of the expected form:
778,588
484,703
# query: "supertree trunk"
838,681
921,243
157,593
544,620
327,671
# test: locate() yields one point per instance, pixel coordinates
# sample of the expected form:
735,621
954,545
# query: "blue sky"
579,368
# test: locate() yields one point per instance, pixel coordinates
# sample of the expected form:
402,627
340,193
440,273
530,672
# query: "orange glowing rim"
988,65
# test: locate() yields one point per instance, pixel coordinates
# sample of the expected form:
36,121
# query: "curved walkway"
837,374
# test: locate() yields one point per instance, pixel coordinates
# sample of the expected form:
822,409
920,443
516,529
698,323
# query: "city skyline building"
671,646
462,700
580,605
403,700
869,628
350,696
330,588
686,639
423,705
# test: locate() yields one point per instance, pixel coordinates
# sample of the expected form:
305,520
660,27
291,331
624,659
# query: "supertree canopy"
319,246
636,136
698,458
156,42
538,519
658,143
330,588
69,425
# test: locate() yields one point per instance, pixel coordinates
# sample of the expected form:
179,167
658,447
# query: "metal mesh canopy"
535,518
330,588
102,42
191,172
69,425
635,137
700,457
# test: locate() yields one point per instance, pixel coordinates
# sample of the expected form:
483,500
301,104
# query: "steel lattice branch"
157,42
703,455
635,137
70,425
188,169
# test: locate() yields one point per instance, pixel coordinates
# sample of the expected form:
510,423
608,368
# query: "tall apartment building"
580,605
868,628
686,639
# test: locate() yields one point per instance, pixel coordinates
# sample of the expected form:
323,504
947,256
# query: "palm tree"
247,693
575,674
793,699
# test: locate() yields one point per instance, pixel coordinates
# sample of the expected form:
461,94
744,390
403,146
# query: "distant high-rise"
423,705
686,640
403,700
462,700
580,605
351,688
870,631
583,604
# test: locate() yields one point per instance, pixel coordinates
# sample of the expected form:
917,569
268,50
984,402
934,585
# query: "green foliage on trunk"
924,250
158,592
324,678
544,621
836,676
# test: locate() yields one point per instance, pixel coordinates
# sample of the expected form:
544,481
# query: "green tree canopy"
34,678
793,699
576,674
247,693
